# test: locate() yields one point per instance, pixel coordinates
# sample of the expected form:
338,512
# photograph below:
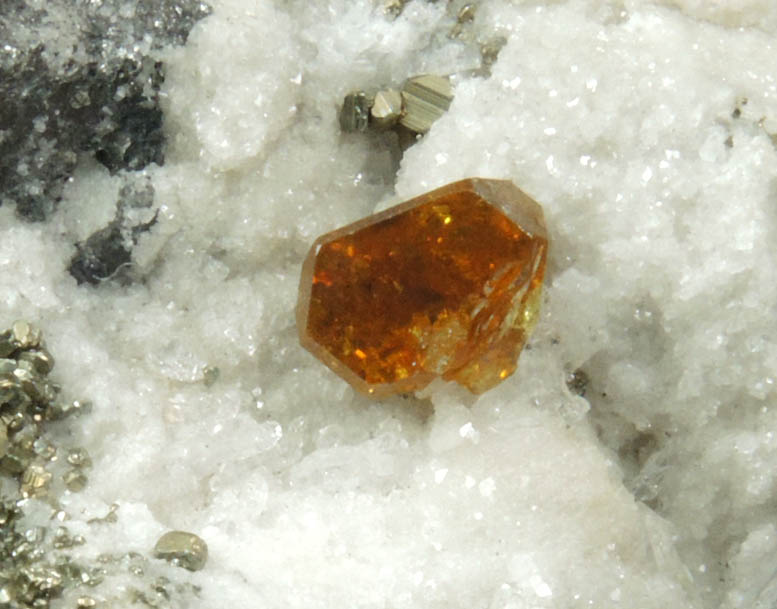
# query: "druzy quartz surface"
446,284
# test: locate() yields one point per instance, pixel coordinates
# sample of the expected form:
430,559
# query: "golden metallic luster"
35,481
21,335
181,548
425,98
447,284
75,480
386,109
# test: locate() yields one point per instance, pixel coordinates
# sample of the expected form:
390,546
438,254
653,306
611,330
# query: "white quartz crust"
655,490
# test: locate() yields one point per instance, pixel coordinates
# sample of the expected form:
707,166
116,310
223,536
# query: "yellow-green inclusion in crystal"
447,284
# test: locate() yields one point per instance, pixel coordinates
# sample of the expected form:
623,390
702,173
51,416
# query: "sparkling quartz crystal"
447,284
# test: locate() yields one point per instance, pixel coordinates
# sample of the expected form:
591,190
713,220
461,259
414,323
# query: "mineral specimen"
447,284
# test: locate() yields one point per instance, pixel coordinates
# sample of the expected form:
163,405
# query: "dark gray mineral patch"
81,78
107,253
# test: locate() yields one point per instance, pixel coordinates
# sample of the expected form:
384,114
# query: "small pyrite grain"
184,549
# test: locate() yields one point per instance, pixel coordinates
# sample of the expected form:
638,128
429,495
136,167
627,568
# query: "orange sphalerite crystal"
447,284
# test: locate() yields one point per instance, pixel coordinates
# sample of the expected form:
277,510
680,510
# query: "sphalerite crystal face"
447,284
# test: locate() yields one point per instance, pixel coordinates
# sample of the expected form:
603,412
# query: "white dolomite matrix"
647,133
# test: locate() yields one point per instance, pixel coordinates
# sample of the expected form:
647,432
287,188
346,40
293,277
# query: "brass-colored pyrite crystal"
444,285
355,112
184,549
421,101
35,567
425,98
386,109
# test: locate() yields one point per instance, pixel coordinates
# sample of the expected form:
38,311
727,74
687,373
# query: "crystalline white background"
655,490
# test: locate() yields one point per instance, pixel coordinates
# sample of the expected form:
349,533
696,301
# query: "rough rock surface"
629,463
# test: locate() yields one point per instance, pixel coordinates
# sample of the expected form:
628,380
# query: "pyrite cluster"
28,398
415,106
36,568
32,569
